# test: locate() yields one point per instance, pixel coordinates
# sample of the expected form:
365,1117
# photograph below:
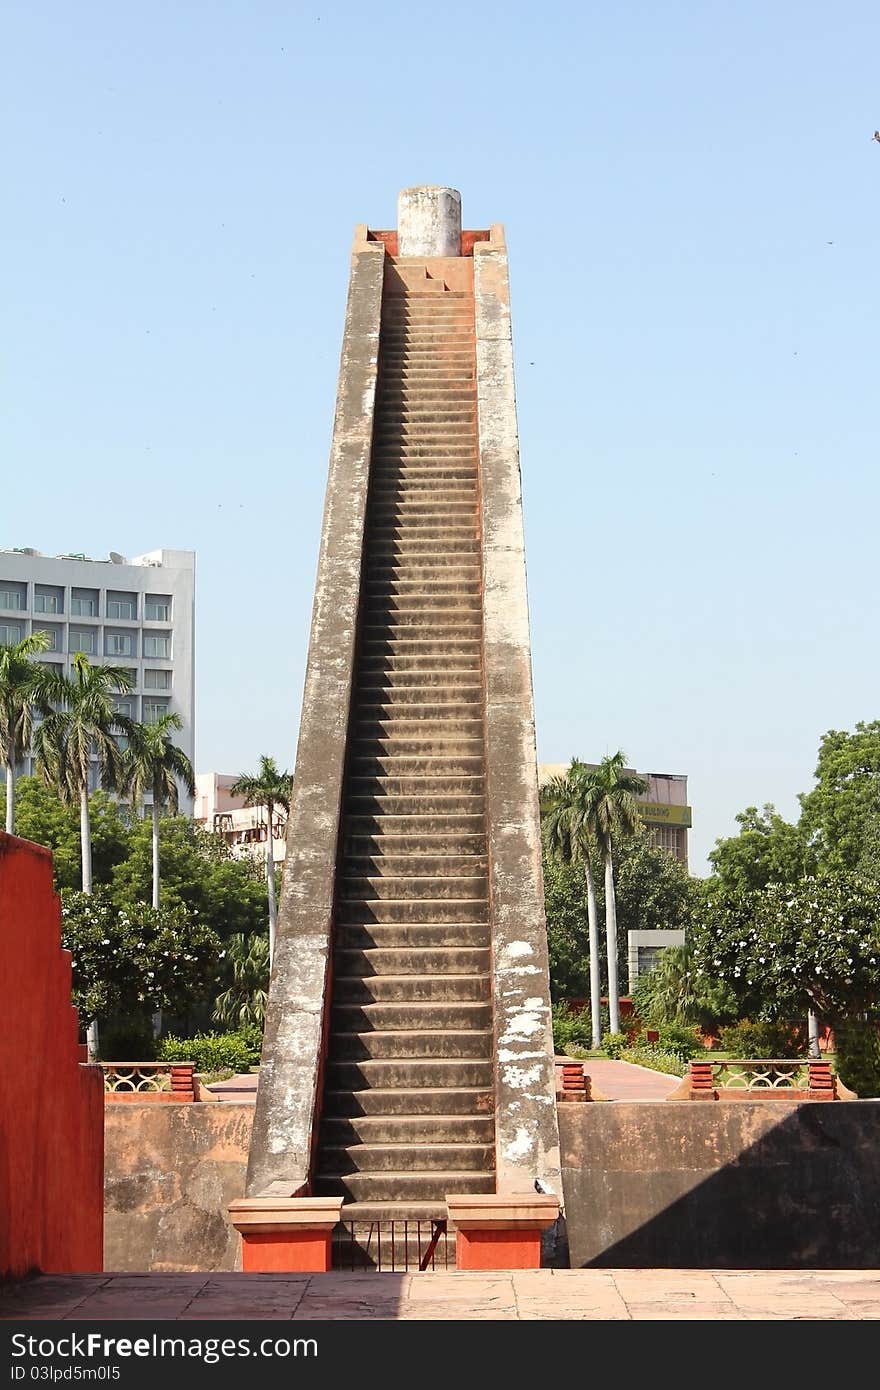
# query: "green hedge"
214,1052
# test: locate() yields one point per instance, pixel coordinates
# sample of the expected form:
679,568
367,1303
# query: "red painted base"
498,1249
286,1252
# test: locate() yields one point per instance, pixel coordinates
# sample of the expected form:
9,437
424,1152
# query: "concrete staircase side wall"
527,1134
293,1040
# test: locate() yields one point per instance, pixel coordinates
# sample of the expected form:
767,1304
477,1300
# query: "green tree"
26,690
569,837
153,763
243,1003
841,814
198,871
565,904
612,814
46,820
270,788
85,724
766,849
809,947
131,963
672,992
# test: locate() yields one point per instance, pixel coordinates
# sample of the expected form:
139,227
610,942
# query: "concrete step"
430,911
388,728
411,960
411,935
340,1160
378,690
402,578
432,888
397,589
414,844
403,1187
410,647
434,804
377,989
463,1100
408,1073
356,1132
365,764
416,866
442,1016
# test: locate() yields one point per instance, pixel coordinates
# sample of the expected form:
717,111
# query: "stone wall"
766,1184
170,1172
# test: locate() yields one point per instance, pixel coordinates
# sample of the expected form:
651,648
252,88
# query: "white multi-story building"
138,613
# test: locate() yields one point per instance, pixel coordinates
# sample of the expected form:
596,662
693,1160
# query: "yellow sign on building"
658,813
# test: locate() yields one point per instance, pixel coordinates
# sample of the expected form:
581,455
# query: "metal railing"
393,1246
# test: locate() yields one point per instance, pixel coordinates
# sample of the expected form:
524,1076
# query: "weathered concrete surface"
769,1184
170,1172
429,221
292,1044
527,1138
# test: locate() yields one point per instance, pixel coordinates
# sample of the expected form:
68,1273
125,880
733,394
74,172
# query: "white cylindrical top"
429,222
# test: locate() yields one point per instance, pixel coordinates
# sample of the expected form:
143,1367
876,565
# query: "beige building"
244,828
664,806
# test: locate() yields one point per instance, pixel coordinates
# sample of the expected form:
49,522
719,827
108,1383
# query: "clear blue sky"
690,193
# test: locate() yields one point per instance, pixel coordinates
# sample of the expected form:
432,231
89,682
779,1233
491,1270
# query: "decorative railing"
161,1081
772,1075
756,1078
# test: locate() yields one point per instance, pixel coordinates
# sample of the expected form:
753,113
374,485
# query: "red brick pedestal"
500,1230
285,1235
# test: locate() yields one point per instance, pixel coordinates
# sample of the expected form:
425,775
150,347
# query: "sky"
690,198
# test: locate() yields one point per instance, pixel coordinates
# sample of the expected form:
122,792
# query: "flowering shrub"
136,960
815,946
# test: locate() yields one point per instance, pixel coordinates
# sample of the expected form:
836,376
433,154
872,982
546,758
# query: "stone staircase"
408,1111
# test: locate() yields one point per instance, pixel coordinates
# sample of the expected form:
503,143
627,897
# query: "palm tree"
569,837
152,763
26,689
243,1004
612,812
270,788
85,722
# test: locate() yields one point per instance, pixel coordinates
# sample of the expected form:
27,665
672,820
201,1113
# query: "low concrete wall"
769,1184
170,1172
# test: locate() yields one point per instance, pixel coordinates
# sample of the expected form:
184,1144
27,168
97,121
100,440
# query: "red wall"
51,1107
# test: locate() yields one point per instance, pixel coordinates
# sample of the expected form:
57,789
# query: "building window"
84,603
668,837
157,680
157,644
12,598
54,638
122,606
10,634
157,608
82,640
154,709
48,600
120,644
124,707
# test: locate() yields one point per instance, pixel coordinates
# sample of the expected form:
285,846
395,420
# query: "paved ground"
624,1081
611,1080
520,1295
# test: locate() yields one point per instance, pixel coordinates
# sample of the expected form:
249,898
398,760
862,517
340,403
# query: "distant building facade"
664,807
244,828
138,613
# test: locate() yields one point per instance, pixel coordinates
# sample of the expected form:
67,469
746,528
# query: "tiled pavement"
517,1295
